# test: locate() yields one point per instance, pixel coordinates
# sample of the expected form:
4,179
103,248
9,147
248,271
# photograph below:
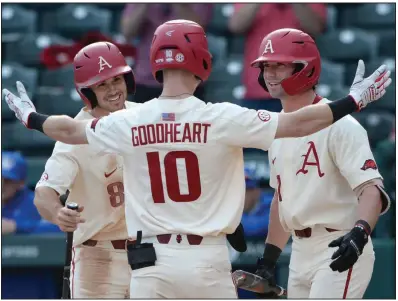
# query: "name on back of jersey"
170,133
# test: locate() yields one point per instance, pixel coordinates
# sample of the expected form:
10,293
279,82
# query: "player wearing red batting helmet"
102,76
103,79
337,193
289,63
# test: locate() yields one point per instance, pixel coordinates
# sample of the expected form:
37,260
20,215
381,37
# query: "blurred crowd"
40,40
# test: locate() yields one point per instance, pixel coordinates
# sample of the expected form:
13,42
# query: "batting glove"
372,88
266,268
22,106
350,247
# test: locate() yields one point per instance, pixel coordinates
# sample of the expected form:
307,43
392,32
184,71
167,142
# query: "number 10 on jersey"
171,176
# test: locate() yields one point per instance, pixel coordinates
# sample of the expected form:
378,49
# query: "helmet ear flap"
130,82
90,95
261,79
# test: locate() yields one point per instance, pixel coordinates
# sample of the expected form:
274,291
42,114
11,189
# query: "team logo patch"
178,238
179,57
44,177
264,116
369,164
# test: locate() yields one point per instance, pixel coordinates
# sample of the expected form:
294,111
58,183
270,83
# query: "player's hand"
372,88
350,247
266,270
68,219
22,105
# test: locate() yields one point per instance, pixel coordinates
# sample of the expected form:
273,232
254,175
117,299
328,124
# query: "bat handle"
72,206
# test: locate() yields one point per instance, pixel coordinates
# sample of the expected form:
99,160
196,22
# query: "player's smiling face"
273,74
111,93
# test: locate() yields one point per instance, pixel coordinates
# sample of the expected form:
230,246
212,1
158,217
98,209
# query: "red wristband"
364,225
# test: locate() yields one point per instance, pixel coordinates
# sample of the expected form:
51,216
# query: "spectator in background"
19,214
257,207
255,21
139,21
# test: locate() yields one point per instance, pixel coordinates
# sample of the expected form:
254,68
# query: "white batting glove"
372,88
22,105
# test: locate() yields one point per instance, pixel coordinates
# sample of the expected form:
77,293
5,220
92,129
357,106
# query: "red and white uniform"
95,182
184,176
315,177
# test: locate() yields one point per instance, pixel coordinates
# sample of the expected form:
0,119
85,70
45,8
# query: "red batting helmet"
96,63
180,44
289,45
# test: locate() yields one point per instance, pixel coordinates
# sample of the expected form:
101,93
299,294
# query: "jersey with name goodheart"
183,162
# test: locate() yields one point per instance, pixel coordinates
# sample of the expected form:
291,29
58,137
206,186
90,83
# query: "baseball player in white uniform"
328,191
183,168
99,267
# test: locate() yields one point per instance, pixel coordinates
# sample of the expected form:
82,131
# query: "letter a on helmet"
268,47
103,63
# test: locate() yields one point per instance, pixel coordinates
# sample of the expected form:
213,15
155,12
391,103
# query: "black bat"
68,251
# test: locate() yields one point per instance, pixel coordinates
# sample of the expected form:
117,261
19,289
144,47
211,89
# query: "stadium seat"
370,67
218,48
232,94
59,101
236,44
35,169
224,83
378,125
29,142
332,73
387,42
61,78
348,45
331,21
258,160
27,50
219,21
370,16
6,113
16,20
12,72
332,92
74,20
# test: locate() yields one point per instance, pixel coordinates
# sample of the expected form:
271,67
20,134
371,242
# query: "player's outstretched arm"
312,119
60,128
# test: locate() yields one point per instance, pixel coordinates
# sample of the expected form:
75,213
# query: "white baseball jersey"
95,182
314,176
183,162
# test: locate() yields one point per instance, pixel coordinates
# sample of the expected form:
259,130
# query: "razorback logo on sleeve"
369,164
264,116
94,123
44,177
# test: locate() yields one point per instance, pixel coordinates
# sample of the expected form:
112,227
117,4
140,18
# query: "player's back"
185,166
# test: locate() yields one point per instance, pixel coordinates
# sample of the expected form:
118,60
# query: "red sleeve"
320,9
238,6
204,11
128,9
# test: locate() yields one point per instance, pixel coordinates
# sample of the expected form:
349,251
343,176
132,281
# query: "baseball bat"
255,283
68,251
